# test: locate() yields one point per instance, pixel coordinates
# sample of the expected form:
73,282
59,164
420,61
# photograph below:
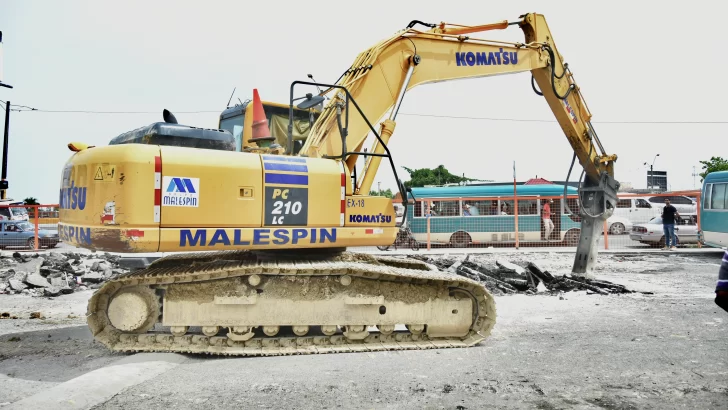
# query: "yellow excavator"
258,224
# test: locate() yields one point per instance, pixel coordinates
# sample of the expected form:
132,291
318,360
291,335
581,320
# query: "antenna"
317,87
231,96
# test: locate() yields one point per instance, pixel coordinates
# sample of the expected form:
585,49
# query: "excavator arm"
379,78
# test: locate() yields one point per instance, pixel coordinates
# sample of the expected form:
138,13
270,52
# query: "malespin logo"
181,191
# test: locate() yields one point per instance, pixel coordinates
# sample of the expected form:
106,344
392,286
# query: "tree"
30,201
384,192
436,176
713,165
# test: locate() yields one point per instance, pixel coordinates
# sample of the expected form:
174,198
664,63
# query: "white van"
12,214
642,209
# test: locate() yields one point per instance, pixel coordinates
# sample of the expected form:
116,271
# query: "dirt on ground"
664,346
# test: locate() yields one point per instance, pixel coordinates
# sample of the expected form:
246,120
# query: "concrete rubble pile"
55,274
509,278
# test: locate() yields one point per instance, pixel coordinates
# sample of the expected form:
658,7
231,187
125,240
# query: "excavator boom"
380,76
278,219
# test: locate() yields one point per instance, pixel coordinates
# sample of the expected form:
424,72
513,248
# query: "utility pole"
694,175
4,181
1,63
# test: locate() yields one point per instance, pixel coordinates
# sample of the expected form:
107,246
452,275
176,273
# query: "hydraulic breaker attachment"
597,204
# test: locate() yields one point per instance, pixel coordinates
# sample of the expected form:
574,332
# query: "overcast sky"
634,61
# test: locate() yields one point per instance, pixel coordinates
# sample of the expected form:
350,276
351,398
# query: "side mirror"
310,102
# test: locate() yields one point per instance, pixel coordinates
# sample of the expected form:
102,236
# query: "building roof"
537,181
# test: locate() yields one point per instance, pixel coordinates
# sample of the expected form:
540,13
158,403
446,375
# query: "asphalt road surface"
663,350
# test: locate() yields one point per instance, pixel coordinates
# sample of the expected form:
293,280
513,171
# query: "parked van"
14,213
636,210
643,208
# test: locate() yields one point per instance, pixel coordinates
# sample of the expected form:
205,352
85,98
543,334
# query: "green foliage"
384,192
713,165
435,176
31,201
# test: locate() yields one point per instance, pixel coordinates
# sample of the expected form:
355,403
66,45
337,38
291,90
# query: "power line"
534,120
26,108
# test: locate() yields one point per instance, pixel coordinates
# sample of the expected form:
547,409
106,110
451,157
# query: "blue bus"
714,209
492,220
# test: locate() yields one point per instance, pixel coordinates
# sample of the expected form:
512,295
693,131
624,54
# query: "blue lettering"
86,235
299,234
491,58
281,235
219,236
77,235
470,58
185,236
499,57
198,237
81,198
73,197
257,236
377,218
237,240
331,235
482,59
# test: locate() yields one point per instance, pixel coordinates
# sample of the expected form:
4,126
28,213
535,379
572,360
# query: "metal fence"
28,227
479,222
546,221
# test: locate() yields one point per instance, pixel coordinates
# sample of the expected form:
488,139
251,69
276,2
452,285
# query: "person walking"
548,224
669,213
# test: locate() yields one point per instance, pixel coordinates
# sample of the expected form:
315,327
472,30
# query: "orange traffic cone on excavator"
261,132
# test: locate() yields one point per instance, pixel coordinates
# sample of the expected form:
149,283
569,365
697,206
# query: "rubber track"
205,266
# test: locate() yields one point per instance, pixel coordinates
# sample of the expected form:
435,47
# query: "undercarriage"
251,303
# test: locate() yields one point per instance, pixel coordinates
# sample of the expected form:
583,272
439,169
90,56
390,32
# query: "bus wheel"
460,239
382,248
572,237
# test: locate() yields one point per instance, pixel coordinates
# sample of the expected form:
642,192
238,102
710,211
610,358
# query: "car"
618,225
22,234
651,233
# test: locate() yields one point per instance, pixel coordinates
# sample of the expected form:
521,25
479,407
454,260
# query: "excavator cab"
238,120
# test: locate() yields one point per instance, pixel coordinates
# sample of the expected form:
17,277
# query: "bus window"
527,207
418,205
717,196
476,207
445,208
506,207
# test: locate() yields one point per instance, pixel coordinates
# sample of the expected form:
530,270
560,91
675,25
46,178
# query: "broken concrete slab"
37,280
